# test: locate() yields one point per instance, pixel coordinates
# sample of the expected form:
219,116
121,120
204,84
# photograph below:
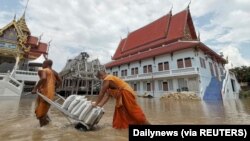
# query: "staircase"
9,86
213,90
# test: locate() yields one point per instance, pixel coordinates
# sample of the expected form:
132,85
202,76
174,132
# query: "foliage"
242,73
244,94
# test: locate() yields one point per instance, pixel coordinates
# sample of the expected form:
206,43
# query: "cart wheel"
81,127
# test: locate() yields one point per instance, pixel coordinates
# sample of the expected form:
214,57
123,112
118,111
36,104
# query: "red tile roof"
177,25
149,40
41,48
32,40
172,47
153,52
118,51
166,29
149,33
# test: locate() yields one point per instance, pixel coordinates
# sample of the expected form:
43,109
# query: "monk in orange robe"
47,84
127,111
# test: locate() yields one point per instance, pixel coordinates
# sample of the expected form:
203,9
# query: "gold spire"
21,23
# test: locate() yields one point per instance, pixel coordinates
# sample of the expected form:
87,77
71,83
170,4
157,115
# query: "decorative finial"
49,43
25,8
14,18
198,36
170,11
189,4
39,39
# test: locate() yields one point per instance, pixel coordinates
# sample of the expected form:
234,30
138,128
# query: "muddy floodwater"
18,122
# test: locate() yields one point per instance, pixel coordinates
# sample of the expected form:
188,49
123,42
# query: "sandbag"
74,103
80,109
93,115
68,101
78,105
85,110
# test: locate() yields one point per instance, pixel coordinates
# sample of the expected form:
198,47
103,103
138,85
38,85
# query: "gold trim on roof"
21,23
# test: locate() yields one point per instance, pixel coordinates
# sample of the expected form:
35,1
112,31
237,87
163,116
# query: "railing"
14,82
8,82
26,75
164,73
2,75
132,76
185,70
25,72
145,74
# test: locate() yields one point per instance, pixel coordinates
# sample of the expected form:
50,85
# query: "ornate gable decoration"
187,34
14,36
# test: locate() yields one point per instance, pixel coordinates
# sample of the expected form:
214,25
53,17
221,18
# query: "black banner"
188,132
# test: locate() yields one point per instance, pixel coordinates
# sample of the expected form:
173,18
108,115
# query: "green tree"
242,73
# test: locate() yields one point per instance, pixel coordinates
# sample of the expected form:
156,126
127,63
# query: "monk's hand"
93,104
33,91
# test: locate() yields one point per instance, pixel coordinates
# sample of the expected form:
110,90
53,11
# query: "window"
160,67
180,63
182,83
145,69
166,66
165,86
124,72
115,73
216,71
133,71
135,87
163,66
149,68
211,68
136,70
148,86
202,62
188,62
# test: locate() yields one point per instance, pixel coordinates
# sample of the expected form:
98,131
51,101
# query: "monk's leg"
134,112
41,112
120,120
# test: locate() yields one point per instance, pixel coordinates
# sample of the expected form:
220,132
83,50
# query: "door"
165,86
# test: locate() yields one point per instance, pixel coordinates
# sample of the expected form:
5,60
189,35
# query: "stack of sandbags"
180,96
82,109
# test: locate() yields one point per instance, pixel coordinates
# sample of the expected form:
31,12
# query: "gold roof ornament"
21,23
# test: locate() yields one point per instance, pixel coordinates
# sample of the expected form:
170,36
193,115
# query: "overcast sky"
97,26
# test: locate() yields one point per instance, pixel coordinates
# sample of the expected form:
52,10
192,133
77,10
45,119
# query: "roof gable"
149,33
164,30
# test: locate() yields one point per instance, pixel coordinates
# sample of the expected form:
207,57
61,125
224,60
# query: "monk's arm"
105,86
58,79
40,82
104,100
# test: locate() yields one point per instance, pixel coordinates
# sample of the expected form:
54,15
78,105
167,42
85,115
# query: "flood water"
18,122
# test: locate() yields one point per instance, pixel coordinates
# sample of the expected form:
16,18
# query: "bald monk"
127,111
49,81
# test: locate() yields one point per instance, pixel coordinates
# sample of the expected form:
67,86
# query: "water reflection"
18,120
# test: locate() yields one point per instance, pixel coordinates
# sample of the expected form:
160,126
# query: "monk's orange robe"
127,111
47,89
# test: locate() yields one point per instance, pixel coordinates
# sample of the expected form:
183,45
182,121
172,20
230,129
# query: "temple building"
168,56
78,76
18,48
